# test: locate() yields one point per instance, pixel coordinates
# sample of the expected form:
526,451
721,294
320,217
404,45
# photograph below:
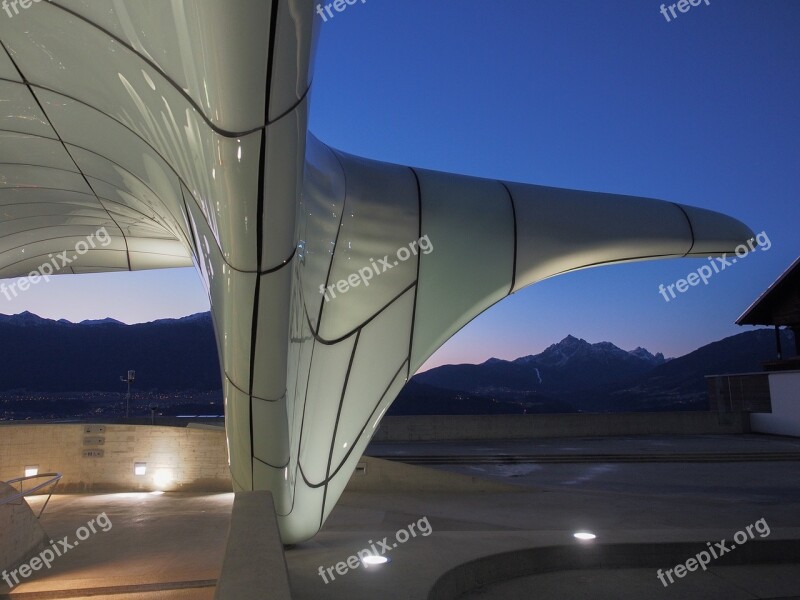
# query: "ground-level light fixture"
372,560
584,535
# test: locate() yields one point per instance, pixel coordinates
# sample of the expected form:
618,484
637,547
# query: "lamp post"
129,380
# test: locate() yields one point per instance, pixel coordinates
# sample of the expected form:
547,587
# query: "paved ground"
170,546
168,541
721,583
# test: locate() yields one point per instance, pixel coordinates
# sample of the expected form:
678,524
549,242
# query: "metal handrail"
54,479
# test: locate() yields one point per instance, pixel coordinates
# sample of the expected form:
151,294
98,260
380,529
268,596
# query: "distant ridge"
44,355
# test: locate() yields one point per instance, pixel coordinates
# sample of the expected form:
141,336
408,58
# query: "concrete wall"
101,457
784,389
21,535
507,427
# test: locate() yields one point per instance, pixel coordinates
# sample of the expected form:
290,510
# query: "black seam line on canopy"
228,377
261,460
358,437
113,162
195,247
166,162
416,278
141,222
27,133
100,198
514,217
335,246
156,217
146,253
59,225
302,420
178,88
691,228
222,134
262,177
612,262
336,426
88,254
86,179
64,145
51,239
146,221
79,237
95,270
222,257
362,325
268,464
314,341
24,164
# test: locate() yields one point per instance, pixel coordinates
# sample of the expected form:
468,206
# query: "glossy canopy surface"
180,129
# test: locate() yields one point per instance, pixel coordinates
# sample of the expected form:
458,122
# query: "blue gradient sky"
591,95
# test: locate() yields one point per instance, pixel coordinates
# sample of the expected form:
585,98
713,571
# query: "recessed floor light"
584,535
374,560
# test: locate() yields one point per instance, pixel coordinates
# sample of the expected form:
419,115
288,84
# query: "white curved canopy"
172,133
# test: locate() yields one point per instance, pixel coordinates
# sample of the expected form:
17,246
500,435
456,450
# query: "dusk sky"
602,96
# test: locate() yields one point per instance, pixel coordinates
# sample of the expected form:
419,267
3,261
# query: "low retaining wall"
101,458
511,427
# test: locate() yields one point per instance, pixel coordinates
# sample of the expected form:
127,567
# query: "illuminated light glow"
584,535
373,560
162,478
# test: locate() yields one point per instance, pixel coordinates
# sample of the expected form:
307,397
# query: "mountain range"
44,355
569,366
576,376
